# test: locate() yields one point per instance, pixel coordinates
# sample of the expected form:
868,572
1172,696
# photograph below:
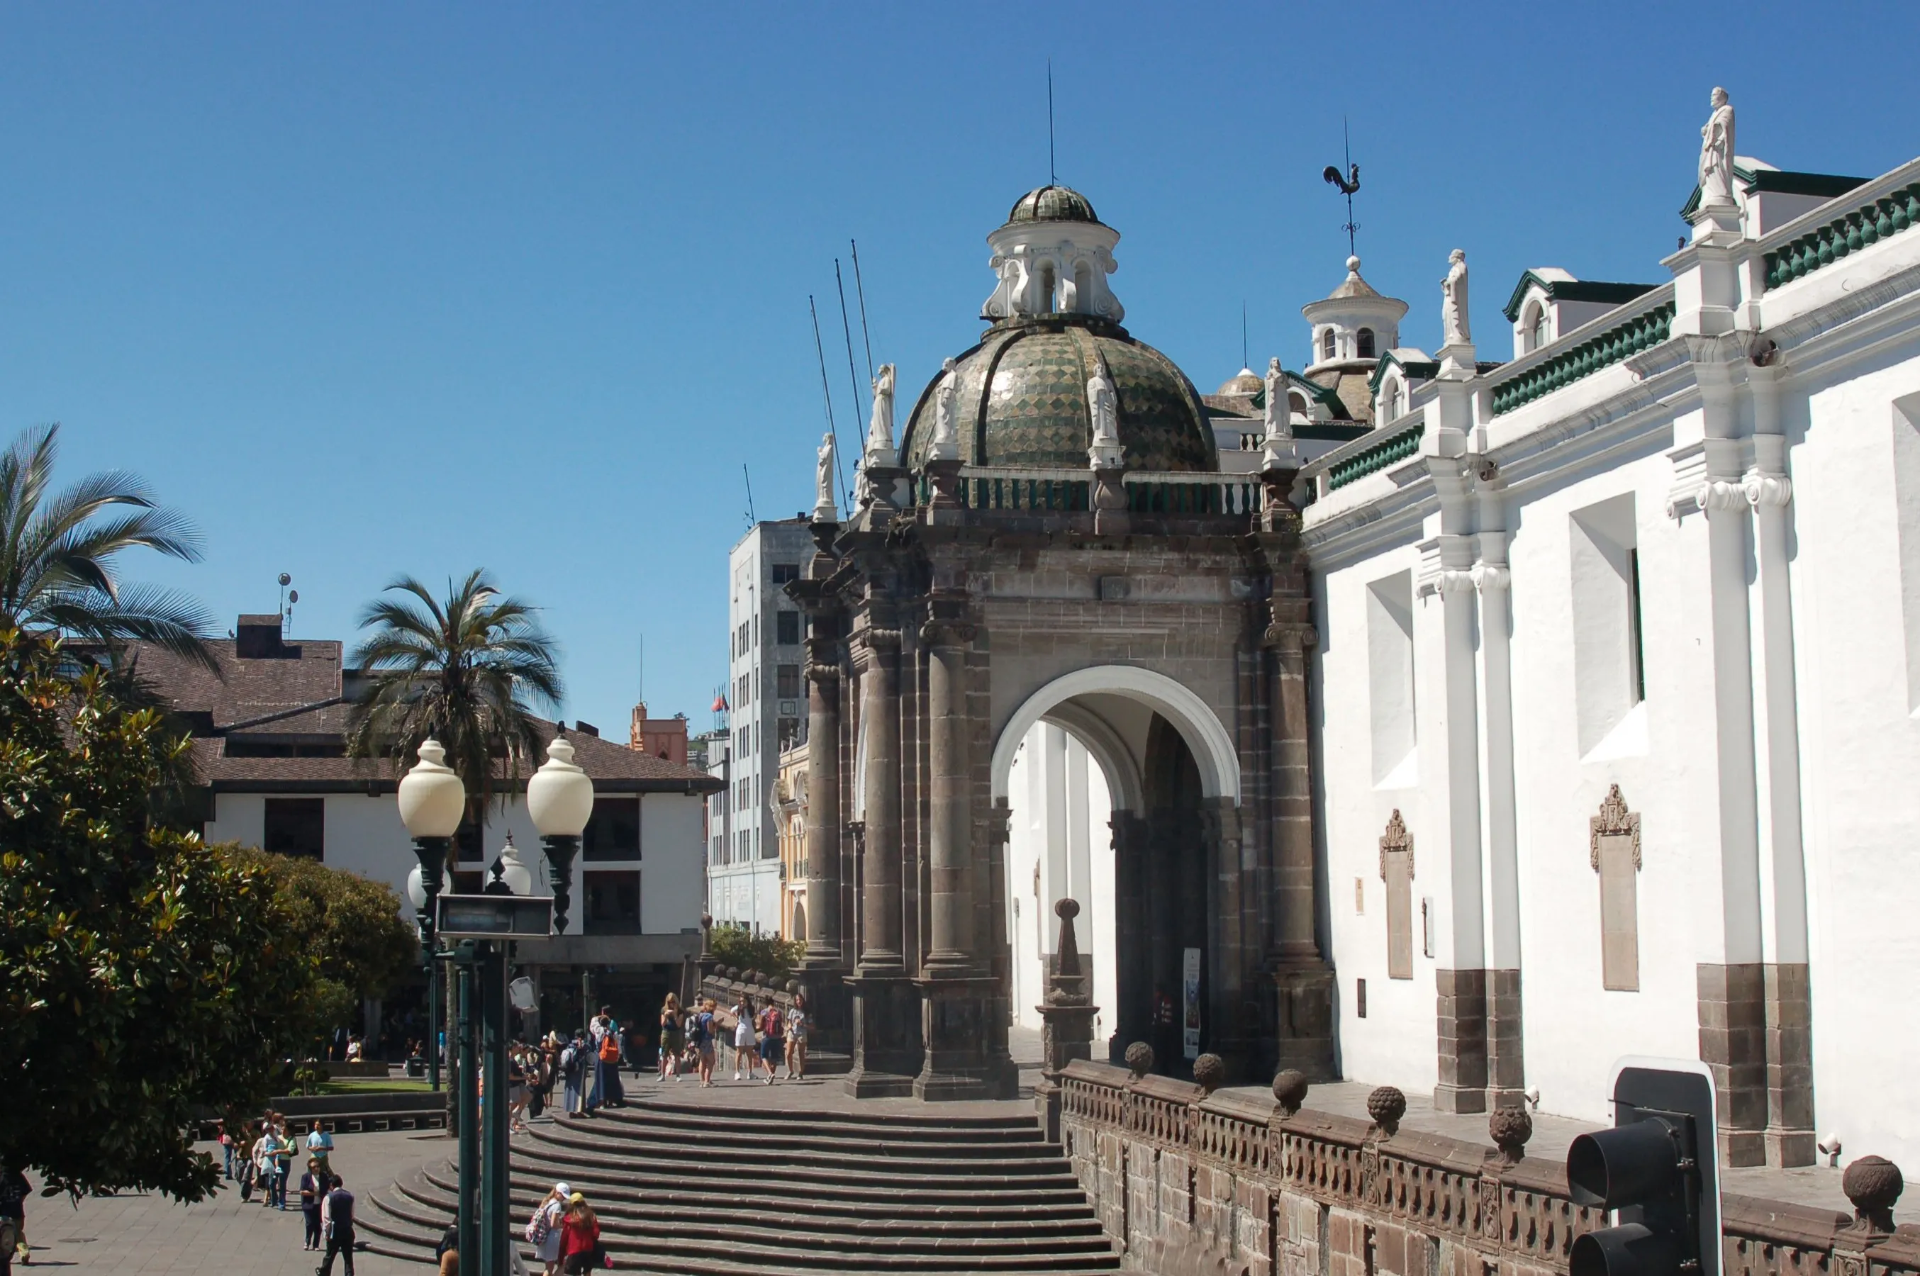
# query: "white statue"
1453,310
1716,154
1279,411
946,414
880,429
1103,407
824,465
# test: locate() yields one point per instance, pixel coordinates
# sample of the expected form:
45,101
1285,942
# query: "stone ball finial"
1139,1058
1290,1090
1510,1128
793,986
751,976
1386,1106
1066,907
730,972
1873,1184
1209,1071
1353,265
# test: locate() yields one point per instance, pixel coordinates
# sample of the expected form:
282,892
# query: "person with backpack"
573,1071
773,1032
605,1032
544,1230
701,1035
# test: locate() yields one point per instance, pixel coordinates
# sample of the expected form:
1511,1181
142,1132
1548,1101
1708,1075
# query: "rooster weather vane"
1348,185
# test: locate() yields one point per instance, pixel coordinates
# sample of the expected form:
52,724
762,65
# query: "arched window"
1366,343
1297,403
1539,325
1047,285
1326,344
1082,286
1389,401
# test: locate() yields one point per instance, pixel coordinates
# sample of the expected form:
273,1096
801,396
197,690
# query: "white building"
269,739
1617,701
767,700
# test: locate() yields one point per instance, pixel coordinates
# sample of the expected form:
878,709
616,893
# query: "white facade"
364,835
1059,846
1691,571
767,699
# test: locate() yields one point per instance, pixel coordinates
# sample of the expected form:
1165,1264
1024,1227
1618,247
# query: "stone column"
880,890
951,826
823,809
1506,1061
1133,979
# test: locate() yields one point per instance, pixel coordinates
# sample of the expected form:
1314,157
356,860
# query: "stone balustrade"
1187,1180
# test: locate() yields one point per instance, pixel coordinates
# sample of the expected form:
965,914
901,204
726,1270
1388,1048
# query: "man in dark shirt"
14,1191
339,1228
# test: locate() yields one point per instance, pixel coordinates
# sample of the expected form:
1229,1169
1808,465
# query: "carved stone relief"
1614,852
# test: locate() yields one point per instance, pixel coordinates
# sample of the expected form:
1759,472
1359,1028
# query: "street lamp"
432,802
560,801
510,874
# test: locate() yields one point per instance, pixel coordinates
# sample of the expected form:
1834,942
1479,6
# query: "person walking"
543,1229
243,1158
282,1165
672,1039
580,1238
226,1147
773,1037
742,1013
519,1090
14,1191
320,1147
797,1038
314,1184
339,1228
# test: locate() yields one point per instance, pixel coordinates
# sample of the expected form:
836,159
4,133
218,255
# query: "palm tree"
57,552
460,671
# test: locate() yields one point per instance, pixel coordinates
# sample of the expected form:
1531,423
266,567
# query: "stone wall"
1187,1181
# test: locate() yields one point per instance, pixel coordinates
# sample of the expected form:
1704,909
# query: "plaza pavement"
146,1234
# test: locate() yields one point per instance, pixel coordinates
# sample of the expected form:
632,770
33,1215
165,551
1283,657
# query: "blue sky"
371,289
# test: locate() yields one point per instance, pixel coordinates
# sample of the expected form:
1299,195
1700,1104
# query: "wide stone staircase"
730,1189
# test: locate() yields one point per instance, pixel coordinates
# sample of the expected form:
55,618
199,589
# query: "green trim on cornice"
1853,230
1590,356
1573,290
1825,185
1394,448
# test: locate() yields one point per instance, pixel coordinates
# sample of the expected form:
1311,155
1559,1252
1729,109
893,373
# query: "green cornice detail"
1825,185
1391,450
1638,333
1868,224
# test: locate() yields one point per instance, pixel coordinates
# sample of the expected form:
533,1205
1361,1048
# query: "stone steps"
715,1190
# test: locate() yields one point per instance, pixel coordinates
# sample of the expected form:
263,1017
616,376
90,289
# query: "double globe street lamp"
432,803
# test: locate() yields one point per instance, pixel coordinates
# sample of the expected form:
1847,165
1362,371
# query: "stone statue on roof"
1278,411
946,414
1103,411
1453,310
880,429
1716,154
823,467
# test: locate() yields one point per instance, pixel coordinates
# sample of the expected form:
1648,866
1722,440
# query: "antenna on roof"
1348,185
832,429
1053,177
285,619
643,668
1243,336
749,478
852,375
860,291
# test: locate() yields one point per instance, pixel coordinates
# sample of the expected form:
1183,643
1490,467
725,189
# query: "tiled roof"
307,673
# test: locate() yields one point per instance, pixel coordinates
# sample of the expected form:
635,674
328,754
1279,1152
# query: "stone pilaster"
823,806
951,824
1462,1033
885,1011
1733,1031
1789,1016
1133,978
1506,1052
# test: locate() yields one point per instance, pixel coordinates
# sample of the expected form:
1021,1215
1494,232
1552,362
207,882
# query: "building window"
1327,344
1390,402
613,903
1390,703
1366,343
1609,679
614,831
786,628
1537,328
787,681
785,572
296,826
789,733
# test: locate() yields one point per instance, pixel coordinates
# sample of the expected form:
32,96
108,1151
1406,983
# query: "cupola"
1351,328
1053,257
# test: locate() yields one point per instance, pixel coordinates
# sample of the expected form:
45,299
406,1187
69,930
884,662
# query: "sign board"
494,916
1190,1003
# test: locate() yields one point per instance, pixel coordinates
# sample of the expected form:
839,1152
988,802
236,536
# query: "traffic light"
1656,1169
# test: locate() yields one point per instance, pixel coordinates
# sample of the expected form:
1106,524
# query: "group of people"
762,1039
565,1235
259,1156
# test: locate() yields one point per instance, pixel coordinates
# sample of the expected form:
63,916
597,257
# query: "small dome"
1052,204
1243,384
1023,401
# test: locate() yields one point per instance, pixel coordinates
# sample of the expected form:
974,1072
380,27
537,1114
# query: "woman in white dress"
743,1051
543,1229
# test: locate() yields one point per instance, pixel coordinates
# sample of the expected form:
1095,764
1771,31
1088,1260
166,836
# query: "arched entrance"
1114,778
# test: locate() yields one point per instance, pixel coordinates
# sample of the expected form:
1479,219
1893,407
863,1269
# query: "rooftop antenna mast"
860,291
749,478
832,429
1348,185
1053,176
847,329
1243,336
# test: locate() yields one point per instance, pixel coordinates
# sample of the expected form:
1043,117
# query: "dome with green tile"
1022,400
1052,203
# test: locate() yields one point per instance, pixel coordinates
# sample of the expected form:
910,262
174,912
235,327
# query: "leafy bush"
737,946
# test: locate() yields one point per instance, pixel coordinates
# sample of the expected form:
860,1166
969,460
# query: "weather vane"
1348,185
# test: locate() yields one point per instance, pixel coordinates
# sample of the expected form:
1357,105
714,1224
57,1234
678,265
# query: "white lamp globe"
416,888
513,872
559,794
432,799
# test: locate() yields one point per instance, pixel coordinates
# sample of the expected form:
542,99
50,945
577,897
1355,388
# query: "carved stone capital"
1716,496
823,674
881,639
947,633
1773,490
1290,634
1455,580
1490,576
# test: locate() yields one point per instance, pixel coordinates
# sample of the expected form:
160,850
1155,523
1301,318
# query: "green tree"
143,975
58,551
349,924
735,945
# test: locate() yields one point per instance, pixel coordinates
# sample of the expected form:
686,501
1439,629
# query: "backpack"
540,1226
568,1059
773,1026
610,1048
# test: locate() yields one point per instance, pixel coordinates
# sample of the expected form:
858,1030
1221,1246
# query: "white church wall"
671,880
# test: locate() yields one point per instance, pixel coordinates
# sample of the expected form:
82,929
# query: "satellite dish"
285,580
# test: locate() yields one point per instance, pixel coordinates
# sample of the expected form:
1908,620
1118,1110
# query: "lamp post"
510,877
432,801
560,802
